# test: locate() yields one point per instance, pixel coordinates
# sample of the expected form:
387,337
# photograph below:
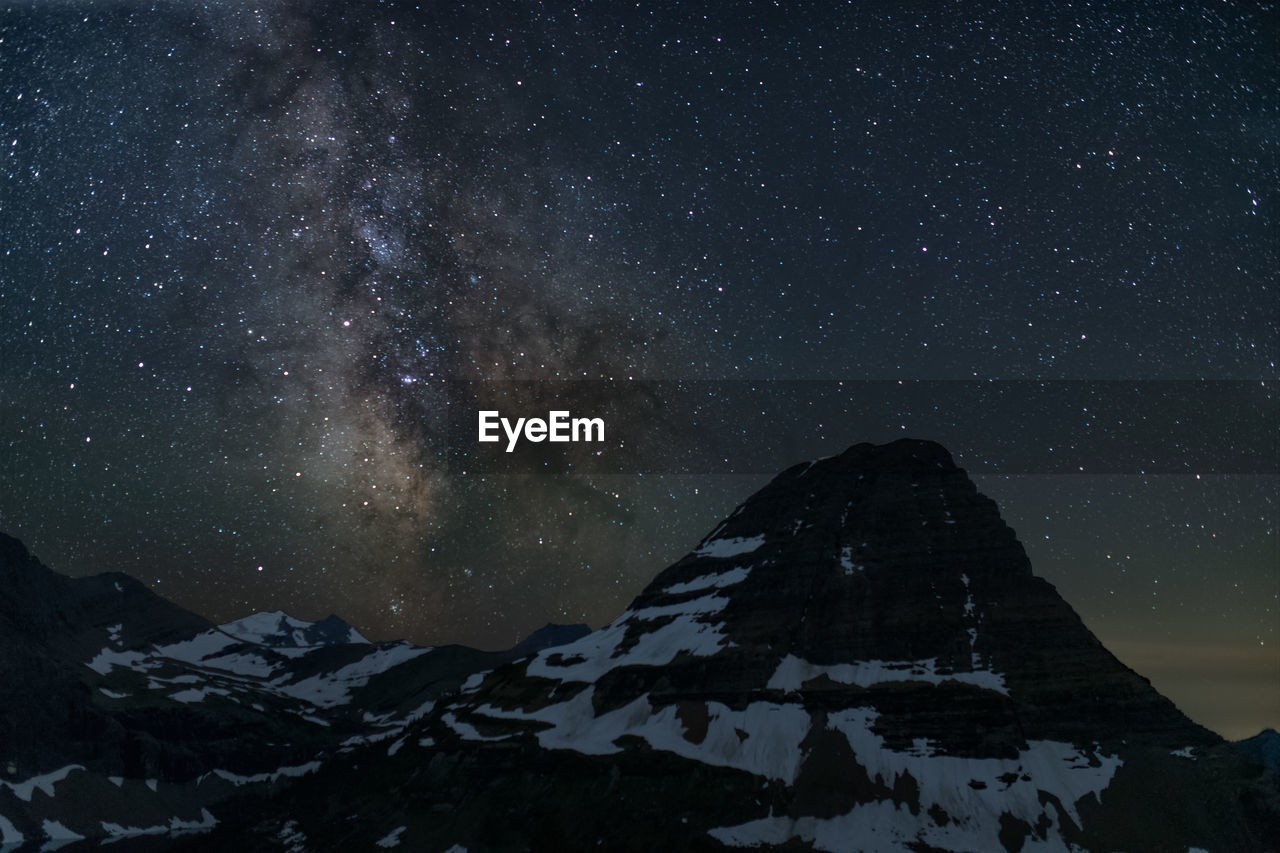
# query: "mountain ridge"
128,716
858,657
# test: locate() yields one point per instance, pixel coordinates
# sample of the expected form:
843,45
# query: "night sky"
261,261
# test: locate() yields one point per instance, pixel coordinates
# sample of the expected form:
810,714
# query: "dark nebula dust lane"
261,259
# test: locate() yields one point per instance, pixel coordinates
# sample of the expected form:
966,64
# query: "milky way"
255,252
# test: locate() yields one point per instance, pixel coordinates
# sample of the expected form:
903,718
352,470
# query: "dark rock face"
49,626
1264,748
891,554
58,611
549,635
328,630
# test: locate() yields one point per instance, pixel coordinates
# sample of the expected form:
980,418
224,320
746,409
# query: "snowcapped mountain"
127,716
280,630
859,658
318,664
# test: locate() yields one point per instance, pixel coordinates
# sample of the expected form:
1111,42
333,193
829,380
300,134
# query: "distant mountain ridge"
278,629
128,716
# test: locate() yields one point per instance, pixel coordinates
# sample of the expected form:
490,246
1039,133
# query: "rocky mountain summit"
859,658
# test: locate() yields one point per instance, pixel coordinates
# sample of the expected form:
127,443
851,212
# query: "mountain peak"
904,504
904,454
278,629
900,453
881,569
12,549
860,650
19,565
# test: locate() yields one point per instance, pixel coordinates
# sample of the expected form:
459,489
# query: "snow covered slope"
319,663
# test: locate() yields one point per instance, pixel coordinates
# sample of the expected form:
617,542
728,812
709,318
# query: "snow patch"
770,748
361,740
392,838
294,838
975,660
109,658
390,728
1011,785
1185,752
716,581
465,730
730,547
197,694
693,607
248,646
176,826
329,689
474,681
292,772
921,747
45,782
257,627
792,672
595,654
9,833
58,835
968,597
205,648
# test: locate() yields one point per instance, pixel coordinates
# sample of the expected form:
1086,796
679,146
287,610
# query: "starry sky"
263,261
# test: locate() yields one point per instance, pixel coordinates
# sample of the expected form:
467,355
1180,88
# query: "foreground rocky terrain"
858,658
